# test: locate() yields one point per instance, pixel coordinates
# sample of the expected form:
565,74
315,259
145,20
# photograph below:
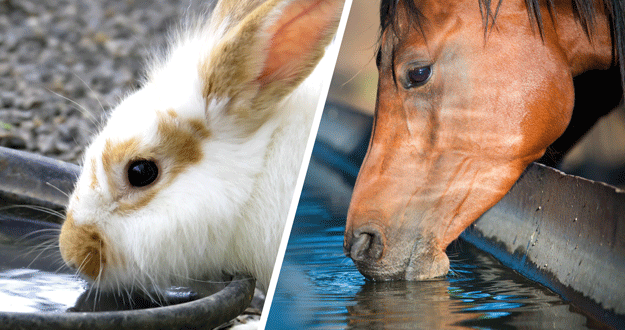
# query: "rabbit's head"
164,184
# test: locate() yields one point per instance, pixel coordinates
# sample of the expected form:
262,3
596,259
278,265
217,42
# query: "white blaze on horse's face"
459,116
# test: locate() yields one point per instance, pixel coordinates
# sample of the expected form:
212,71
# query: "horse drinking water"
469,94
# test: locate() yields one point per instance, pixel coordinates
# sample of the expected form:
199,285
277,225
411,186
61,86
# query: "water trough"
565,232
29,182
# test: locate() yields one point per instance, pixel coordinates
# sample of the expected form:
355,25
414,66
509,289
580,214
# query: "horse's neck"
584,51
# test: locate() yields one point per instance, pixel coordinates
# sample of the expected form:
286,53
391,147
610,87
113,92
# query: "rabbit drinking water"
193,174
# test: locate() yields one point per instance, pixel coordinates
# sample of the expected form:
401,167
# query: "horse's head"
465,103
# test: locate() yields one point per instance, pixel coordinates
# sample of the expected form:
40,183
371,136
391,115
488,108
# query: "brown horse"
470,93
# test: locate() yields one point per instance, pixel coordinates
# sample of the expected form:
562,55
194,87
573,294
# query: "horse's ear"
270,51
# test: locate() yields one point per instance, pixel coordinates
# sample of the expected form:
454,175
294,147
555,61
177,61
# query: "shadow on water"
320,288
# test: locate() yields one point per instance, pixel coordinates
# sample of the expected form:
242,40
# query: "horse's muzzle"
412,261
364,244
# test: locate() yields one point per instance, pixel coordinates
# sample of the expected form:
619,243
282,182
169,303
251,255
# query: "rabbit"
192,176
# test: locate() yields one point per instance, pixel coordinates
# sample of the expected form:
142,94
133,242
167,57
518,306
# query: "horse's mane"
584,9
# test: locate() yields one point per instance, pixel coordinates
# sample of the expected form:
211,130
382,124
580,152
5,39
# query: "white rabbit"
193,174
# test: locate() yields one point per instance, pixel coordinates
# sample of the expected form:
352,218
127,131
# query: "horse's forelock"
617,7
389,17
585,10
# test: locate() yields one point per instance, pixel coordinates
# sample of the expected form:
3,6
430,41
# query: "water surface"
34,278
320,288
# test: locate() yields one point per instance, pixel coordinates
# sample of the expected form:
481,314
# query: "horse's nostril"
366,245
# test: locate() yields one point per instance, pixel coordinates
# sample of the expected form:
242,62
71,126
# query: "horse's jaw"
399,226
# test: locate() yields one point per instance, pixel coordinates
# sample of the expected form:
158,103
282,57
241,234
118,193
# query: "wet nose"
364,244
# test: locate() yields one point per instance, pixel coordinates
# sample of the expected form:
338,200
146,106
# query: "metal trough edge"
35,179
565,232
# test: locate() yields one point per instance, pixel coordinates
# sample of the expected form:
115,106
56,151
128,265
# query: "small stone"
45,46
37,122
5,69
13,142
63,146
100,38
46,143
30,102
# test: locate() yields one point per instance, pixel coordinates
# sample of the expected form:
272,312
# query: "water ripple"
320,288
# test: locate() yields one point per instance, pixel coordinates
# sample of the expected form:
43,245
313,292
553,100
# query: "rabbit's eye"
142,172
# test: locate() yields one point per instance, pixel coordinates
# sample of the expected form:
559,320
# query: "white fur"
224,215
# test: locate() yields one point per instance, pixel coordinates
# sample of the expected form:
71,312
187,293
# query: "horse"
470,92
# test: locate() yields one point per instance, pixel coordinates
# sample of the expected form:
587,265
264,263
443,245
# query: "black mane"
585,11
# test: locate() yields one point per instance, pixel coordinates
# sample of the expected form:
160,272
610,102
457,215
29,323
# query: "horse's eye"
142,172
418,76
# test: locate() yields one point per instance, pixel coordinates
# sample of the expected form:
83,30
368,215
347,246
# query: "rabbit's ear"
267,55
232,12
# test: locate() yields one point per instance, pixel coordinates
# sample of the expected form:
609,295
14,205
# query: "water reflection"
319,288
33,277
32,290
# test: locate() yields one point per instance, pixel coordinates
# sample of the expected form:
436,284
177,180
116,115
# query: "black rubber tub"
38,292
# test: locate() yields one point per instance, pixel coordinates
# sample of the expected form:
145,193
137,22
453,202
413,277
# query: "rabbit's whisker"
57,189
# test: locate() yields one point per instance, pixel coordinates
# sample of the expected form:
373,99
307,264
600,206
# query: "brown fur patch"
181,140
115,154
226,76
94,177
180,147
234,11
233,65
172,113
257,65
146,197
83,247
199,127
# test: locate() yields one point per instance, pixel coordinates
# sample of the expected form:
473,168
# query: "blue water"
320,288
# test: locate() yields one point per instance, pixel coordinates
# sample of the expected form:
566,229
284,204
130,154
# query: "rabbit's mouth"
84,248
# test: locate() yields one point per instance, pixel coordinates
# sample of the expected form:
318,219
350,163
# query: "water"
320,288
32,290
33,277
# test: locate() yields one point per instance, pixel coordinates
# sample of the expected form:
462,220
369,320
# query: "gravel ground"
65,63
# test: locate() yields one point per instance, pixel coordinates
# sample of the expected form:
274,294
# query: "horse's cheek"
549,113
